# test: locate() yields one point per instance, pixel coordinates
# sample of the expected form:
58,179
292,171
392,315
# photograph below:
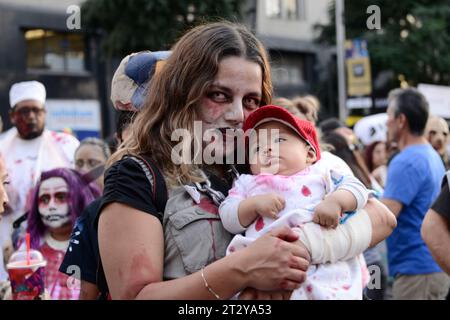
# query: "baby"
290,186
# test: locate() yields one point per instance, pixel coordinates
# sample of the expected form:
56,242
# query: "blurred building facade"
37,44
286,27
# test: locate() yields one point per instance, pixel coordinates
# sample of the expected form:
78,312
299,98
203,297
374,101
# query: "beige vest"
193,234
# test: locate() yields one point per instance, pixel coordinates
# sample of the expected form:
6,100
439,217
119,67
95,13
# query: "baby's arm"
238,210
368,227
329,211
350,195
237,213
228,209
265,205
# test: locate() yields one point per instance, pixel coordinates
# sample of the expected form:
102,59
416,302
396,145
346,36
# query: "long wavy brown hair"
180,86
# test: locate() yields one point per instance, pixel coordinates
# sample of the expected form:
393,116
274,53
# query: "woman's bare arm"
383,220
88,291
435,232
131,246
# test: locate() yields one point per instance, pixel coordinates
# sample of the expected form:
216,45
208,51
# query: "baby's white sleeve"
228,209
355,187
339,176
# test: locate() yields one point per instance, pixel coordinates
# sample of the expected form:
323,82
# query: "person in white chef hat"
29,149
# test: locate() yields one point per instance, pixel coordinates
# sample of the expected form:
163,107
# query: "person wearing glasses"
28,149
92,153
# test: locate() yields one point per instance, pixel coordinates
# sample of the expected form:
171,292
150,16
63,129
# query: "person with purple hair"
58,200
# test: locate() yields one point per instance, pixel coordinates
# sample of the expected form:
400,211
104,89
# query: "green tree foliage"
129,26
414,39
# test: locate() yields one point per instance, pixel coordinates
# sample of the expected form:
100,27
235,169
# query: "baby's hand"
268,205
327,213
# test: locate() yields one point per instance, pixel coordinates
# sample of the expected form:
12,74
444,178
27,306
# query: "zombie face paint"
29,118
53,202
234,94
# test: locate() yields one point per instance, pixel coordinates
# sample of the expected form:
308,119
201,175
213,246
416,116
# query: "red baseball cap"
304,128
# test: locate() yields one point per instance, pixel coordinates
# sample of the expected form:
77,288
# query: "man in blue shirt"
413,183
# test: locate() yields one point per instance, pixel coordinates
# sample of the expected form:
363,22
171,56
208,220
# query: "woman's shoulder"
131,181
124,165
133,170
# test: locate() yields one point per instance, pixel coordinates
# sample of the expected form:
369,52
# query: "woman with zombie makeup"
58,199
174,248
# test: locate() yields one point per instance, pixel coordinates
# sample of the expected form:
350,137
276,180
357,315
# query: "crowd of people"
315,210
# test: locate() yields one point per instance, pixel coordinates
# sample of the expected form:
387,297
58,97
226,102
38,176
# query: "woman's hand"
274,261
